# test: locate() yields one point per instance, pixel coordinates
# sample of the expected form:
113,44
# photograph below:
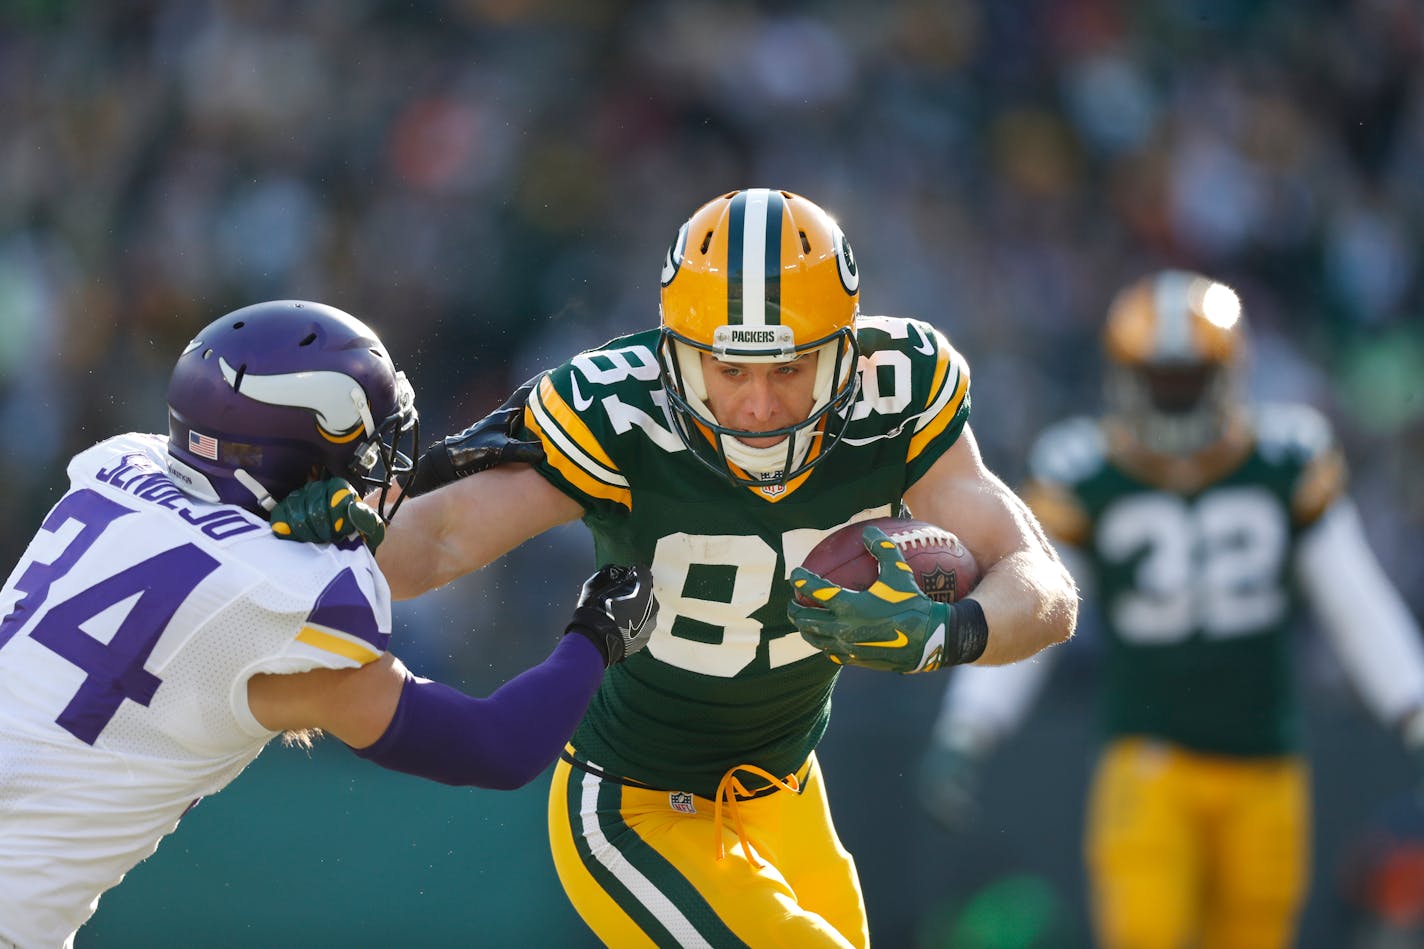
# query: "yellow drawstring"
728,789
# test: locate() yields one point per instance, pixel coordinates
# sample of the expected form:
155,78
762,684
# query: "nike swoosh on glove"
891,626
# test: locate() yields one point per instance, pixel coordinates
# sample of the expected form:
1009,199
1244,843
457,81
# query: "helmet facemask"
1176,350
835,388
1174,410
380,460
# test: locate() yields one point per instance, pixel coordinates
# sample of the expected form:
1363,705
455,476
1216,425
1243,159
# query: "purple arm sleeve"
503,741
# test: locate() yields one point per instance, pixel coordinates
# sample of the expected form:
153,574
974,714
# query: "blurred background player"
155,635
1194,521
764,413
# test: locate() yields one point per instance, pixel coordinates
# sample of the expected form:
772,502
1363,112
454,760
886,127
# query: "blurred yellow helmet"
1175,344
759,276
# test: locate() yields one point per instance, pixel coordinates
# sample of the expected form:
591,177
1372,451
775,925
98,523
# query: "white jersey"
130,628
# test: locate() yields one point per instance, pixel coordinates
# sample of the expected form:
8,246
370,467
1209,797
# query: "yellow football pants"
642,866
1192,850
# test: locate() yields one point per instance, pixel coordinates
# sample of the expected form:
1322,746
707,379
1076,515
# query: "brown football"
944,568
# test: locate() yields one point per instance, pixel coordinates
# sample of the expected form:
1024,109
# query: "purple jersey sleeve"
501,742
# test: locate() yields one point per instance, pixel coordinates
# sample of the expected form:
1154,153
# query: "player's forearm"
438,537
1362,613
1030,603
503,741
414,556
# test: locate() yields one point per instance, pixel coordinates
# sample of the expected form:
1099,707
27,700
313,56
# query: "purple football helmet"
269,395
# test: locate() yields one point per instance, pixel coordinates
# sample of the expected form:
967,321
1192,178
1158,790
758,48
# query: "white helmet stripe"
1171,300
336,399
754,259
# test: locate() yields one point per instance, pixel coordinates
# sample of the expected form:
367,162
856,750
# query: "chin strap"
252,484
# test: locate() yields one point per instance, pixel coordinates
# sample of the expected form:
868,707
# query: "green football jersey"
726,680
1195,588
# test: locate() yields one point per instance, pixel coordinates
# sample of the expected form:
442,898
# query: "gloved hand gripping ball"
892,625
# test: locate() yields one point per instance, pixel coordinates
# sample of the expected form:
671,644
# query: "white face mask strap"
252,484
689,363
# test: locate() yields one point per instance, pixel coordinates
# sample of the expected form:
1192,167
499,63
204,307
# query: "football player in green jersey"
1194,521
762,414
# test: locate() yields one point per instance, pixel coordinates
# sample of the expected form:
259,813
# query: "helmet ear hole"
310,338
805,242
706,242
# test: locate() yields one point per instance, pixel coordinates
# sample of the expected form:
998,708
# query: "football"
944,568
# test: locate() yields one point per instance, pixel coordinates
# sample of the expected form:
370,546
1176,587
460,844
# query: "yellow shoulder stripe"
575,474
573,426
572,450
947,412
330,642
1322,482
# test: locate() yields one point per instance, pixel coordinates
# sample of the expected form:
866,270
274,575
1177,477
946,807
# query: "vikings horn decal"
334,398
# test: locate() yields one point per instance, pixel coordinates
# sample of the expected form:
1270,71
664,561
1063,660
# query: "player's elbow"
1058,616
509,778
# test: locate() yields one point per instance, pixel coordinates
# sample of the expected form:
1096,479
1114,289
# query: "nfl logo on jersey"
682,801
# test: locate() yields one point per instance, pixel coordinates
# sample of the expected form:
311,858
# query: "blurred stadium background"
492,184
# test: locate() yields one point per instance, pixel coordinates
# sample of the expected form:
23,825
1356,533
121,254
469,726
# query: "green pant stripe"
641,881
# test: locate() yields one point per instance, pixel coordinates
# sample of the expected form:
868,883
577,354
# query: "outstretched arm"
1376,637
463,526
1029,599
420,727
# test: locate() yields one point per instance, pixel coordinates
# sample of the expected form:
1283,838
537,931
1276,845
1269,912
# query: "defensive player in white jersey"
764,413
156,635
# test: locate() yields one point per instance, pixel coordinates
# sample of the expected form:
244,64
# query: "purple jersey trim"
343,606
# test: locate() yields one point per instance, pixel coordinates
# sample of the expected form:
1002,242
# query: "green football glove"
321,512
891,626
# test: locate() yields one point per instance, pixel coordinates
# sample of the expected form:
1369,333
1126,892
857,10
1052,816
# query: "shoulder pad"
1292,430
582,409
1296,434
1068,452
875,333
933,392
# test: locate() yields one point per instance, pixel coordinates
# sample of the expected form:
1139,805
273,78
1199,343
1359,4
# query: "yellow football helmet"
1175,344
759,276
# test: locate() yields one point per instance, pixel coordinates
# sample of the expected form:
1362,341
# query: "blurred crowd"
492,184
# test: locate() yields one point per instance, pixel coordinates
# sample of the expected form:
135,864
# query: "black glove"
321,512
617,611
485,444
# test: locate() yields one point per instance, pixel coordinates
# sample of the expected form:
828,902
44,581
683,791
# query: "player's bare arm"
1029,599
467,524
354,705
